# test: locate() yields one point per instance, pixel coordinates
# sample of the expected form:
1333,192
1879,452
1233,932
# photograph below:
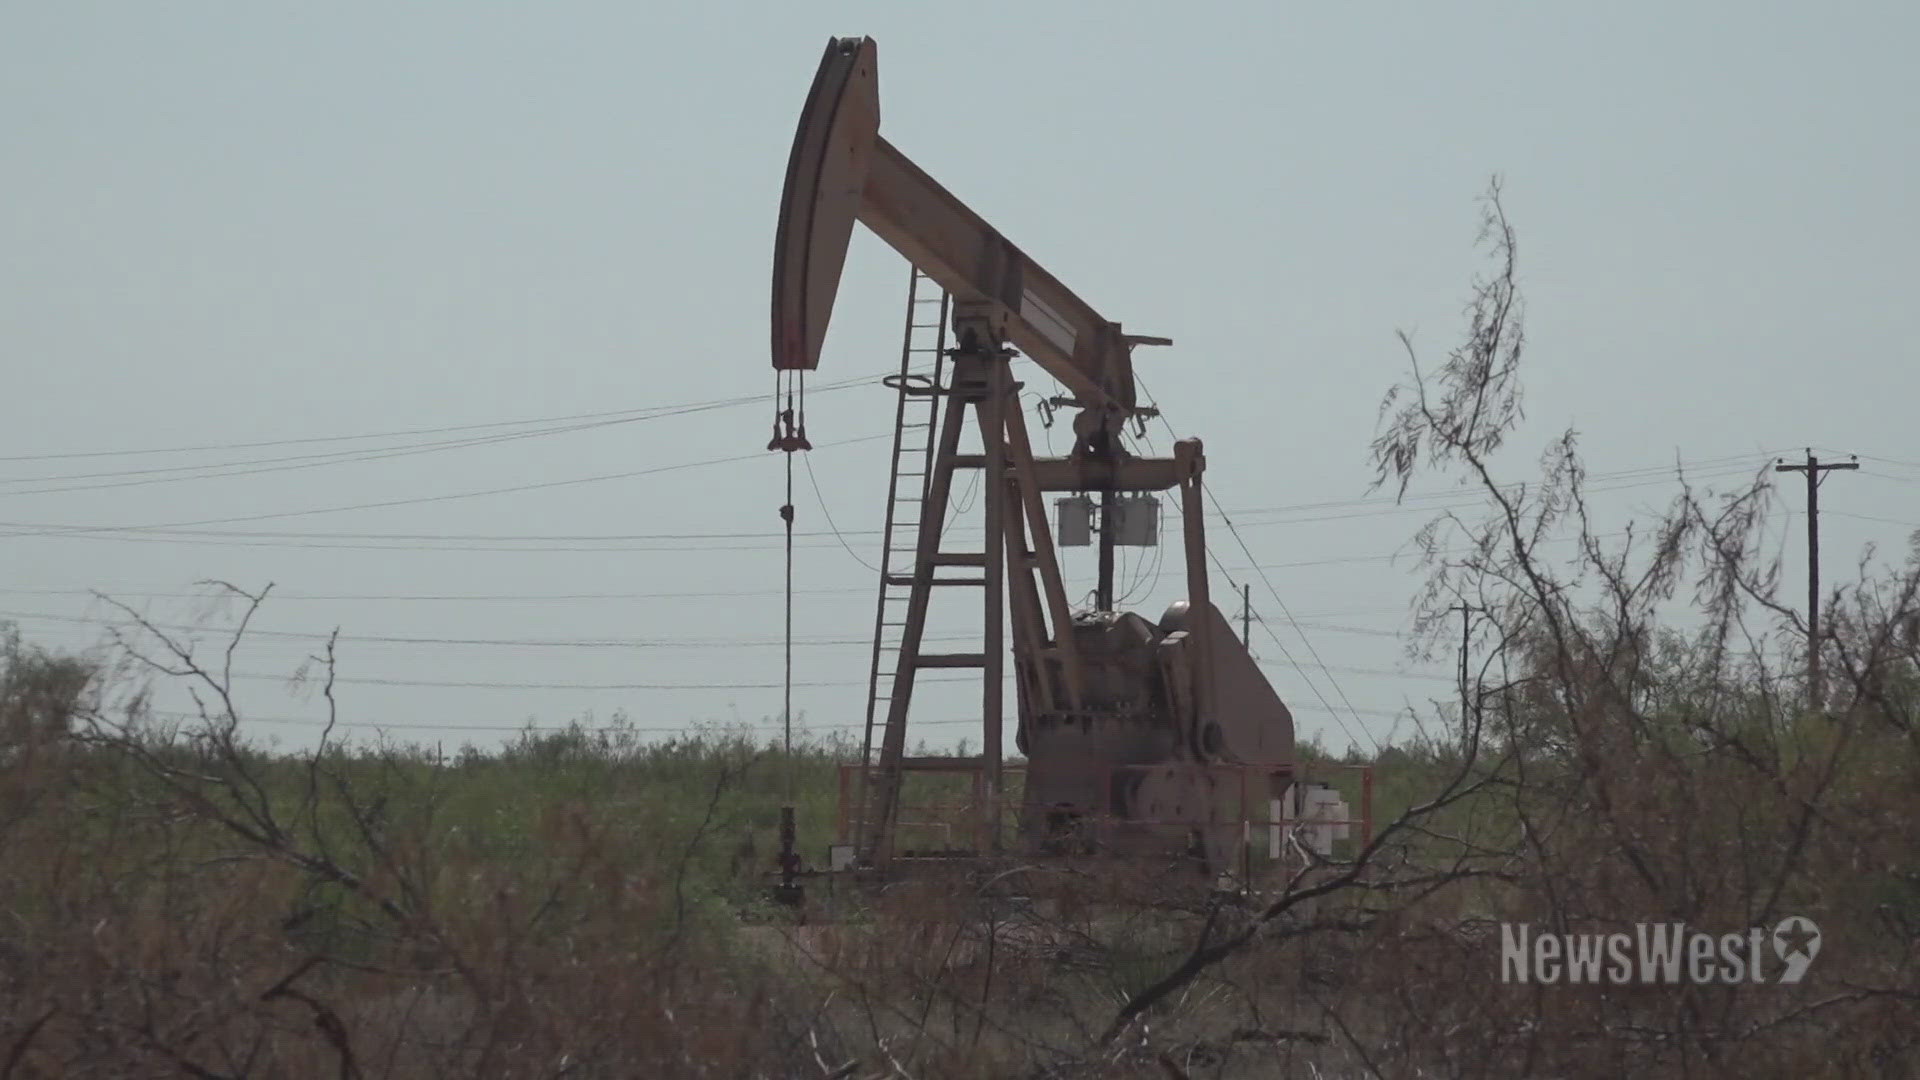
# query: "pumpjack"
1140,735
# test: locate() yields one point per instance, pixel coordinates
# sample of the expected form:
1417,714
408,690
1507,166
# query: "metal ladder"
922,354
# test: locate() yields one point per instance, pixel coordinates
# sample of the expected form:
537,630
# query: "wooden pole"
1813,468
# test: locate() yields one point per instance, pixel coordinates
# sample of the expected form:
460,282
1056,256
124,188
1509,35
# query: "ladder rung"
960,558
907,579
950,660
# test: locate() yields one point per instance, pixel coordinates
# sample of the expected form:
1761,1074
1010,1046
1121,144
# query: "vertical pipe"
1814,697
789,889
1246,833
980,812
840,822
1199,600
993,430
1103,593
1366,805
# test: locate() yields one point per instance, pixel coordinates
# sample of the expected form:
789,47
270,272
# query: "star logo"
1796,940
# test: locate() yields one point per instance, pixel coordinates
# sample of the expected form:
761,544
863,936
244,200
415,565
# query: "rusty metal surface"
825,173
1124,721
1244,721
840,169
1140,752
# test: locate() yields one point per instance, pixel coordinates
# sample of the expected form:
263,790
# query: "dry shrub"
176,902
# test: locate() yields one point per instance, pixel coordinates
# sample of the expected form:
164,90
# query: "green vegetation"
183,900
585,903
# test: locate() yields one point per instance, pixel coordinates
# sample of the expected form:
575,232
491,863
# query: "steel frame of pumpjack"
1016,537
1049,676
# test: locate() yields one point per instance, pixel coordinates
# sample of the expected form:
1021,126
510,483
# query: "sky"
449,320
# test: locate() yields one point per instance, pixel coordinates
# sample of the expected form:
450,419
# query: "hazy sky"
249,224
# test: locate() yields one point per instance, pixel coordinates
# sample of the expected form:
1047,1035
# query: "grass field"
587,902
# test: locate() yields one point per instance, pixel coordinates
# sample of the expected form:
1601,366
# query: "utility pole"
1246,616
1813,468
1466,636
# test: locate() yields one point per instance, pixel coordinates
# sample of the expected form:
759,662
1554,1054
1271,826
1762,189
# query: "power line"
1870,517
756,534
466,684
828,514
526,544
164,537
312,461
256,466
401,639
1889,477
691,729
562,543
1723,465
409,432
541,598
88,530
578,643
1887,460
1384,511
1315,653
701,594
1284,651
697,727
463,684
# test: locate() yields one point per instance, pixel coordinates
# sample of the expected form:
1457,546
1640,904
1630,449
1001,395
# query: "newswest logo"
1657,953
